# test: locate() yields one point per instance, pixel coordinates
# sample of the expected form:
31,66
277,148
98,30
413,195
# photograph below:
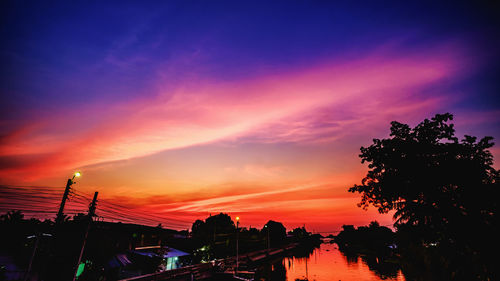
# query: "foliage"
366,239
206,231
277,232
299,232
443,190
80,217
213,237
374,244
12,216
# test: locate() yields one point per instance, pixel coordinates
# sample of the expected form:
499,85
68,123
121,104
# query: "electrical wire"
39,201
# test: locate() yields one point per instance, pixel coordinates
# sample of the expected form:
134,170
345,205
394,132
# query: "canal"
327,263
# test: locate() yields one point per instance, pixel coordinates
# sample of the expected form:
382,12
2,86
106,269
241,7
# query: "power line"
34,200
126,210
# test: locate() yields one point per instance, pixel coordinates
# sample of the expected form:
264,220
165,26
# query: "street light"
59,217
268,241
237,236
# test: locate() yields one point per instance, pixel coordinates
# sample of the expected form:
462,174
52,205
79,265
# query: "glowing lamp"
78,174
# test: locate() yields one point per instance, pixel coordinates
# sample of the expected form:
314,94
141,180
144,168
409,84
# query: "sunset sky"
253,108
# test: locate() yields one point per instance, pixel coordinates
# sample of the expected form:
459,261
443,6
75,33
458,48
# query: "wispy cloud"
205,111
292,204
210,204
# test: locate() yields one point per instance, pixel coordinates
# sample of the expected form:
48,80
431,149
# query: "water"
327,263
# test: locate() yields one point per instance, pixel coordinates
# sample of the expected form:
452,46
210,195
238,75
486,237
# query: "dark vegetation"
373,239
444,195
59,245
374,245
215,237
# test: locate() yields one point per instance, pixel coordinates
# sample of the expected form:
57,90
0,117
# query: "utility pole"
91,214
215,246
59,217
237,237
268,241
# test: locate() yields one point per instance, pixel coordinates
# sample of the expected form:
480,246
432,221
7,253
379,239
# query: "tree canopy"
205,231
277,232
441,189
425,172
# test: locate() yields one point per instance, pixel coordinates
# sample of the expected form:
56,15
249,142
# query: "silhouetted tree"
80,217
299,233
198,227
277,232
13,216
373,244
373,238
207,230
222,223
213,235
443,191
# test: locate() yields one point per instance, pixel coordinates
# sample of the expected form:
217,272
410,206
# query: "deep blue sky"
45,45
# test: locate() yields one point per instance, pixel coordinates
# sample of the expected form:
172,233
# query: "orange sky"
179,112
281,147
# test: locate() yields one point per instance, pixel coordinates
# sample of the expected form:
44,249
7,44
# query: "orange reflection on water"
327,263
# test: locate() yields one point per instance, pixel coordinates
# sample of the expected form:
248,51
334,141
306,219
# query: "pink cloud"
203,112
328,124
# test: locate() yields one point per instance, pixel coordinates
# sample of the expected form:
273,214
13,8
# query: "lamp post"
268,241
237,236
59,217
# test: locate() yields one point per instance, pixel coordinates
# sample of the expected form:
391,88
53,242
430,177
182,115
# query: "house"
171,258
